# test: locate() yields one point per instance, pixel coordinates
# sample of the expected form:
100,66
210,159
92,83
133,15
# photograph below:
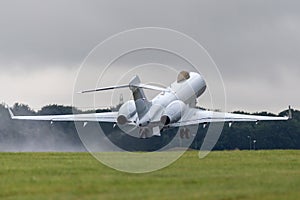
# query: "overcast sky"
256,45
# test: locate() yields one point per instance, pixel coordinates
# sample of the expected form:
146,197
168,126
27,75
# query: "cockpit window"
183,75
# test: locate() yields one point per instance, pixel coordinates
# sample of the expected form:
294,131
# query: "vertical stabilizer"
141,103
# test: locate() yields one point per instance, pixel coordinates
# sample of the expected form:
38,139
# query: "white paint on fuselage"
186,91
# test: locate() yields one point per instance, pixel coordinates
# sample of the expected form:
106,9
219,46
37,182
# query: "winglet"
10,112
290,115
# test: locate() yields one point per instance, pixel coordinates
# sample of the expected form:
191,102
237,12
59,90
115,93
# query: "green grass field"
221,175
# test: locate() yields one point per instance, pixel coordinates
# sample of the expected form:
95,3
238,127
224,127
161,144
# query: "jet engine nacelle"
173,112
126,111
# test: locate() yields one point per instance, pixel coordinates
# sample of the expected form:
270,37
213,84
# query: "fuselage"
166,107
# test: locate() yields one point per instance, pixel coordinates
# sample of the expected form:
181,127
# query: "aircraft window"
184,75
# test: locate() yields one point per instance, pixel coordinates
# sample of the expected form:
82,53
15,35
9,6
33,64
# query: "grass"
221,175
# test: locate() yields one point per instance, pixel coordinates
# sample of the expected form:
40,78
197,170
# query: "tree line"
20,135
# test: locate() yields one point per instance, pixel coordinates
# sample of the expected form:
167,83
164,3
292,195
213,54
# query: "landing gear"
185,133
147,132
144,132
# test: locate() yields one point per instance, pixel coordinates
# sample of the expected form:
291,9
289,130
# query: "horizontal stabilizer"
104,88
150,87
138,85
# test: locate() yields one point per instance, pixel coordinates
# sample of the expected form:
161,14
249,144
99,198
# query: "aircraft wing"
96,117
197,116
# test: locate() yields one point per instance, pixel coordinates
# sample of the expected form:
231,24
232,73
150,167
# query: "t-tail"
141,103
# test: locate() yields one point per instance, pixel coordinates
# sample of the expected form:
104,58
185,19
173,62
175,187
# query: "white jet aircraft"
174,107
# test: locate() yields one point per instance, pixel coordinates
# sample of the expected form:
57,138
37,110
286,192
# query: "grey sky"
256,45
